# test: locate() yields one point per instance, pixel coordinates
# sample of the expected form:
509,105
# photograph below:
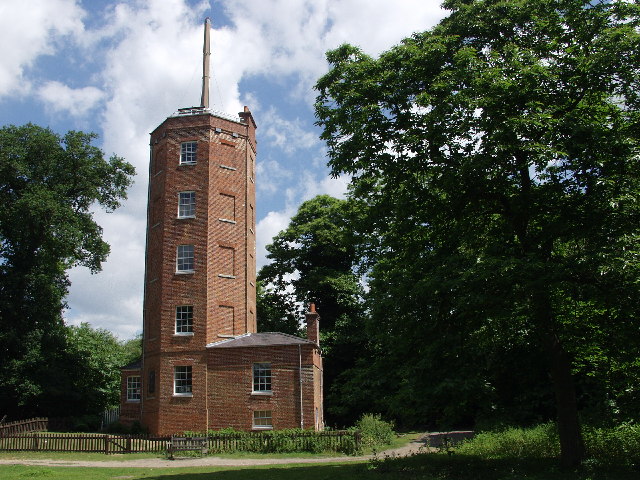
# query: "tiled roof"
260,340
135,365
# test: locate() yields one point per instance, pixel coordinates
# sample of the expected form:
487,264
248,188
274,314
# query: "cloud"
27,33
77,102
266,229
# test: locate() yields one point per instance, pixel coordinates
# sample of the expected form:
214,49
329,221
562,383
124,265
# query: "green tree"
498,159
313,260
94,358
276,311
48,187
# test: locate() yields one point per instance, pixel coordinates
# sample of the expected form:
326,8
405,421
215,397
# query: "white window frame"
184,253
134,388
182,381
187,204
262,420
262,378
188,153
184,320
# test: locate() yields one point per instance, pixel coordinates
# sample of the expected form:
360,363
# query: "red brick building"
203,365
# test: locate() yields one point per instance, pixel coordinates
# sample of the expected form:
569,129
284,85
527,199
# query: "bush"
613,446
229,440
375,431
537,442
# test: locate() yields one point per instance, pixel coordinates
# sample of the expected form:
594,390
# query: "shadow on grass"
422,466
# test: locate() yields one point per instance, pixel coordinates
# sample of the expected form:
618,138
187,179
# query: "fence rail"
97,443
38,424
259,442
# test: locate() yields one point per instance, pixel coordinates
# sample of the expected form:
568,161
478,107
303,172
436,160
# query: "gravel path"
412,447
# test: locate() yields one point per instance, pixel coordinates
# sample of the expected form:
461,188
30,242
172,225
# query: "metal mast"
206,54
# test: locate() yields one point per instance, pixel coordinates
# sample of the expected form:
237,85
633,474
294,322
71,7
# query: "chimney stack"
313,324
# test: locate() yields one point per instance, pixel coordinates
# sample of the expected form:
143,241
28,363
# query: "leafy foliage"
495,161
290,440
48,186
375,431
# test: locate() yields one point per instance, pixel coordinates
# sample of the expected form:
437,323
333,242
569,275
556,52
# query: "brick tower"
203,366
200,260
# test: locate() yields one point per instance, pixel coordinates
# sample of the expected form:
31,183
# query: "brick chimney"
313,324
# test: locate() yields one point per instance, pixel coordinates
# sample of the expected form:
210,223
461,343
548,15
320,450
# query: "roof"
265,339
135,365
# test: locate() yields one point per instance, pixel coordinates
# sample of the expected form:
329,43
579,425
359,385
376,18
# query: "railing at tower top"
202,110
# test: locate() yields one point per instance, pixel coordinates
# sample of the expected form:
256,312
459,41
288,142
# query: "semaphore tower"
203,364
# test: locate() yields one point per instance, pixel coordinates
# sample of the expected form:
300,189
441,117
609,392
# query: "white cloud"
288,135
27,33
266,229
77,102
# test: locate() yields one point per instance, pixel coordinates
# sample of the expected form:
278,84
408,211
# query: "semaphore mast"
206,54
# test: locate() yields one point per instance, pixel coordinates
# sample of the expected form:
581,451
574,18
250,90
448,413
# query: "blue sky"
119,68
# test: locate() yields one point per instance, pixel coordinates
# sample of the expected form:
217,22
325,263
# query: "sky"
119,68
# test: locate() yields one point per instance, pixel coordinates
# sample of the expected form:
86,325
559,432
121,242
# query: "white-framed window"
262,419
188,153
184,258
133,389
186,204
184,320
262,377
182,380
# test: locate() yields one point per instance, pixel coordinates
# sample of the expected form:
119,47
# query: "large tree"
498,158
49,185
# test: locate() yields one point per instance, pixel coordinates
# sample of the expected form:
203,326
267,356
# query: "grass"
513,454
424,467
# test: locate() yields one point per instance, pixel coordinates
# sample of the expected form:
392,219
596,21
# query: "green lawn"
425,466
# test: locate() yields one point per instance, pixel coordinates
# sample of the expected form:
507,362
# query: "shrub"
536,442
278,441
613,446
375,431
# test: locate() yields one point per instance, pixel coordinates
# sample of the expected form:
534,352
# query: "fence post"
129,444
106,444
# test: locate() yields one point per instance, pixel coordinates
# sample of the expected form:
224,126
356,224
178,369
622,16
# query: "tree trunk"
571,444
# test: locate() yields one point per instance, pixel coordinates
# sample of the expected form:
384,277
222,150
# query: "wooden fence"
258,442
100,443
24,426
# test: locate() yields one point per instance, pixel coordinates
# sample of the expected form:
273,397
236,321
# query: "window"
151,385
133,389
182,380
184,262
186,204
262,377
262,419
184,320
188,153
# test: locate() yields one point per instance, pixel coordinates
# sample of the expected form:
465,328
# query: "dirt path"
408,449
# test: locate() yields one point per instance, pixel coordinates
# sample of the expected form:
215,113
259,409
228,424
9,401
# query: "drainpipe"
300,377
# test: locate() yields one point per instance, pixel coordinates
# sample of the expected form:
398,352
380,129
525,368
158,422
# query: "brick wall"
232,402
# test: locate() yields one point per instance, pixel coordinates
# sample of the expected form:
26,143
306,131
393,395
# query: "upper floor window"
184,260
182,380
184,319
133,389
262,377
188,152
186,204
